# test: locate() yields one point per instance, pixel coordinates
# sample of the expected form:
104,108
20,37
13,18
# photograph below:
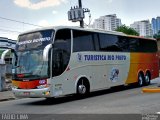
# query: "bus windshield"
29,63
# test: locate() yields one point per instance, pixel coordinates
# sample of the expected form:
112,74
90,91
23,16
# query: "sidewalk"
7,94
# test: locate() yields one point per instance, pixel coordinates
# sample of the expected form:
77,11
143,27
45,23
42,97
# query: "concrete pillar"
2,77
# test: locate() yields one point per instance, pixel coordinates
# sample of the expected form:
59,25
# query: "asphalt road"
119,100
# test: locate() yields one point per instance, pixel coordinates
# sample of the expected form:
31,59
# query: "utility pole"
76,13
80,6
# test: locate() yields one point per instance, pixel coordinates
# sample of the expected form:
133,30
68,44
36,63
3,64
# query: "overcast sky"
54,12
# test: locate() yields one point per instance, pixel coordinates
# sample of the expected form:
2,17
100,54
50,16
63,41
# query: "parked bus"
60,61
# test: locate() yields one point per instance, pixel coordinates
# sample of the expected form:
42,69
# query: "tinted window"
61,52
63,40
34,40
82,41
123,43
133,44
147,45
142,45
96,41
109,42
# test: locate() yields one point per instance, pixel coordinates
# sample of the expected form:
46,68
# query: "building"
143,28
156,25
99,23
6,43
107,22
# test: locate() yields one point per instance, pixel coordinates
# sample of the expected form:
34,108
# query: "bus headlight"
14,87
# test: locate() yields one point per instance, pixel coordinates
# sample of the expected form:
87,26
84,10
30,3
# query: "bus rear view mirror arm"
46,51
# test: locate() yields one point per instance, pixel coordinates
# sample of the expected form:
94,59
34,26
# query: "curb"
2,100
151,90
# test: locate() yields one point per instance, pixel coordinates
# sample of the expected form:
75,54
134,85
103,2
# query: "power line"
5,30
19,21
20,28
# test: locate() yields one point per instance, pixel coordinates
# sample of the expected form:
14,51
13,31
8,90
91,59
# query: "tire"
140,80
50,99
147,79
83,87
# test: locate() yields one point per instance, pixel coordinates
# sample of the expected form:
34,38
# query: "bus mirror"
46,52
4,54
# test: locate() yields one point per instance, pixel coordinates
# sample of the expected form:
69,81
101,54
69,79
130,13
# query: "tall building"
143,28
156,25
99,23
107,22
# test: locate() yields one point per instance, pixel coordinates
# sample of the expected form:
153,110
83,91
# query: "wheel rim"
82,89
140,80
147,79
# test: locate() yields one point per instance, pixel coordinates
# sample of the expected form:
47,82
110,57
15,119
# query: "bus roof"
86,29
141,37
76,28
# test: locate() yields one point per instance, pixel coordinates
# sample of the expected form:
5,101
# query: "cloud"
38,5
54,12
109,1
65,23
43,23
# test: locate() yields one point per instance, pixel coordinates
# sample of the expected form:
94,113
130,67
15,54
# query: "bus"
59,61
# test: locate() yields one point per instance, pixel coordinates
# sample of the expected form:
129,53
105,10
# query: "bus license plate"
26,93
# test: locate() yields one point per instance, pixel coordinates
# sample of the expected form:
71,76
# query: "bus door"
61,52
57,62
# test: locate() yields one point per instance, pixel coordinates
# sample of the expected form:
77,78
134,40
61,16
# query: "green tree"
127,30
157,36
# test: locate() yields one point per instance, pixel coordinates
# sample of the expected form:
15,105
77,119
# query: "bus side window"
82,41
96,41
123,43
109,43
134,45
147,45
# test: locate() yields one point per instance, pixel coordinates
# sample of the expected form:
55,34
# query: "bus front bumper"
32,93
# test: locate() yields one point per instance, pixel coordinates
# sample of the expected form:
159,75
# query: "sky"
54,13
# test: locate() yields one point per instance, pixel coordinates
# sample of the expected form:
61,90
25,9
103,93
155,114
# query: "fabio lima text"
14,117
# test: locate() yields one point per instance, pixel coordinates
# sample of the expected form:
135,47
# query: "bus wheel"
147,78
140,80
83,87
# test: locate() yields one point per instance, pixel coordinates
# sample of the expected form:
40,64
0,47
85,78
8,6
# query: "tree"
157,36
127,30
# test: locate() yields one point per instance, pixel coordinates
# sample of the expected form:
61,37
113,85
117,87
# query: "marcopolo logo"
79,57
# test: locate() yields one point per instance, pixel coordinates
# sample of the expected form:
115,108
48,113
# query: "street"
119,100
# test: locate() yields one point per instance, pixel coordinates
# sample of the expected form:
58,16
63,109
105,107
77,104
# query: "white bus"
59,61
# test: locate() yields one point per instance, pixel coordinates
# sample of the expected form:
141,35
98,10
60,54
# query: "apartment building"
107,22
143,28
